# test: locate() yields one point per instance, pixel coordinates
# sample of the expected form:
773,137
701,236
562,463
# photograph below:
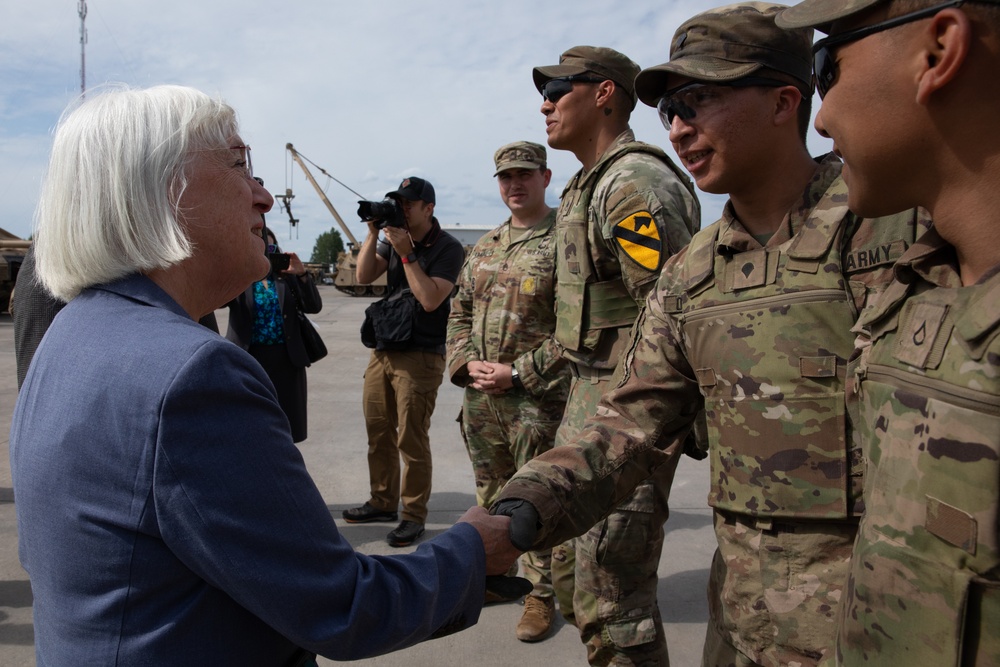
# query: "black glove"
523,521
507,588
503,588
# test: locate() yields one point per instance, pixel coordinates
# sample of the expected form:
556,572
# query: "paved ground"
335,455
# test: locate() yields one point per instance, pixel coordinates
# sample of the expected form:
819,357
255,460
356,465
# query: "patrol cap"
597,60
821,14
729,43
519,155
414,188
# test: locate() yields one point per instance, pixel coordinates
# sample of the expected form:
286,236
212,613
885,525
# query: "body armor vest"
767,334
588,301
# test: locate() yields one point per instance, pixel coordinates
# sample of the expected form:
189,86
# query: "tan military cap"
519,155
598,60
729,43
821,14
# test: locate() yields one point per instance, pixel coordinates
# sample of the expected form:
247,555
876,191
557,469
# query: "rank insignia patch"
640,239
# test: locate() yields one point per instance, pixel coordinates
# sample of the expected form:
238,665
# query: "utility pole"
82,9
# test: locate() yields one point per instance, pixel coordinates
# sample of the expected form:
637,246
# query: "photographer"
406,330
263,321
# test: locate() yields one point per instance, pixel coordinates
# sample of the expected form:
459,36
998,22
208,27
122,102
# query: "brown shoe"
536,621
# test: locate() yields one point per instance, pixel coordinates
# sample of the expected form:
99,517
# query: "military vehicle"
345,278
12,250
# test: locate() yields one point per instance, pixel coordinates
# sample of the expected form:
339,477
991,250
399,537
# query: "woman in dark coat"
263,321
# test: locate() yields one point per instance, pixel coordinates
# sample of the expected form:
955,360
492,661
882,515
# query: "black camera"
385,213
279,260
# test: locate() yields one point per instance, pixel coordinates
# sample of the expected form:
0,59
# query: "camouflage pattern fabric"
606,580
666,380
925,577
728,43
767,333
617,225
773,593
501,434
504,311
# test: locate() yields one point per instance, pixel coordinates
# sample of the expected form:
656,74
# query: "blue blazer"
165,517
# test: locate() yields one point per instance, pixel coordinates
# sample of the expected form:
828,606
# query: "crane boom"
346,279
322,195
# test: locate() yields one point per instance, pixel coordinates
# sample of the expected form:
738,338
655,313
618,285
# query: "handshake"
507,532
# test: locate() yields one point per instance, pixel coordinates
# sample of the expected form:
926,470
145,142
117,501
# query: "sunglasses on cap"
825,62
555,89
687,100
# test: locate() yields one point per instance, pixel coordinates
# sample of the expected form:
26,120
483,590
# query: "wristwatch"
409,259
515,378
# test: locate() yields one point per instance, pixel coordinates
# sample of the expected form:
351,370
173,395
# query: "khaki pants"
400,391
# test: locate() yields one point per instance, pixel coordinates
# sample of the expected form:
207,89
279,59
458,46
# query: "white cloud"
372,92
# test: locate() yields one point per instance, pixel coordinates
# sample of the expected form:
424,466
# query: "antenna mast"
82,10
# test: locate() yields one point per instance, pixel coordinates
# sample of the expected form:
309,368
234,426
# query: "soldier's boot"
536,621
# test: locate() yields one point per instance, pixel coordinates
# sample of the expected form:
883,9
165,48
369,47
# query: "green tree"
328,247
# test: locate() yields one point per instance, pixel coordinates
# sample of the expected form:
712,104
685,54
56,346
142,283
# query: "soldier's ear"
547,176
605,92
786,105
945,41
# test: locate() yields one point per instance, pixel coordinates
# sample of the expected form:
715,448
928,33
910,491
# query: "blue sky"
372,92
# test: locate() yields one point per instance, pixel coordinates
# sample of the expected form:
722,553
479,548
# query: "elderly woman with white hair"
164,514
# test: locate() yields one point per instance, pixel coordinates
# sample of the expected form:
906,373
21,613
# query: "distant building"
467,235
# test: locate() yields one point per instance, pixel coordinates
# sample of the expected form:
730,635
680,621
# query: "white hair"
108,206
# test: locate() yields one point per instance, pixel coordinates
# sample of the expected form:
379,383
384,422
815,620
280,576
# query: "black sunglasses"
554,89
686,100
825,63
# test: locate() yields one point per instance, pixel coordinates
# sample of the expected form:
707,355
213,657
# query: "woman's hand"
295,265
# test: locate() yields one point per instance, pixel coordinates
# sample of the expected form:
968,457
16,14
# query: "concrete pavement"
335,454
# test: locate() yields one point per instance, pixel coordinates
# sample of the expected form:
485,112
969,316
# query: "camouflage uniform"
757,338
504,312
924,586
925,579
617,223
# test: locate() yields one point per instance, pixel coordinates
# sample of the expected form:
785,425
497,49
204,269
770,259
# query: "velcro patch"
952,525
639,237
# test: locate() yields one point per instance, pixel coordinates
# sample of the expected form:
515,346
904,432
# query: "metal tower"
82,9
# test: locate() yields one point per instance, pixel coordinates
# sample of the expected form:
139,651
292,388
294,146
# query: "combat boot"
536,621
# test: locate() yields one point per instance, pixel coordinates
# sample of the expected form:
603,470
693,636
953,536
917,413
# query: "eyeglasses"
689,100
825,63
247,163
555,89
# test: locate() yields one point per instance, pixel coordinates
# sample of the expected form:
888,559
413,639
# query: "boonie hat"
414,188
821,14
598,60
519,155
729,43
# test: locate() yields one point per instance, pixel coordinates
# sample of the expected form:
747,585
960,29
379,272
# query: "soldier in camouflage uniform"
626,210
924,587
749,328
501,349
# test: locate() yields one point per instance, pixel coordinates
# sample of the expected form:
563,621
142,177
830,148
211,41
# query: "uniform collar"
733,236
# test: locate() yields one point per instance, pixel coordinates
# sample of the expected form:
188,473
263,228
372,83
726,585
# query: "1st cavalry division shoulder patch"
639,237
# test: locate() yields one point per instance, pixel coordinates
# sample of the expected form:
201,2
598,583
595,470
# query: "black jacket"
291,290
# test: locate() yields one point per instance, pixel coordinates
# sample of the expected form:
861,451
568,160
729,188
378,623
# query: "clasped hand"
490,377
